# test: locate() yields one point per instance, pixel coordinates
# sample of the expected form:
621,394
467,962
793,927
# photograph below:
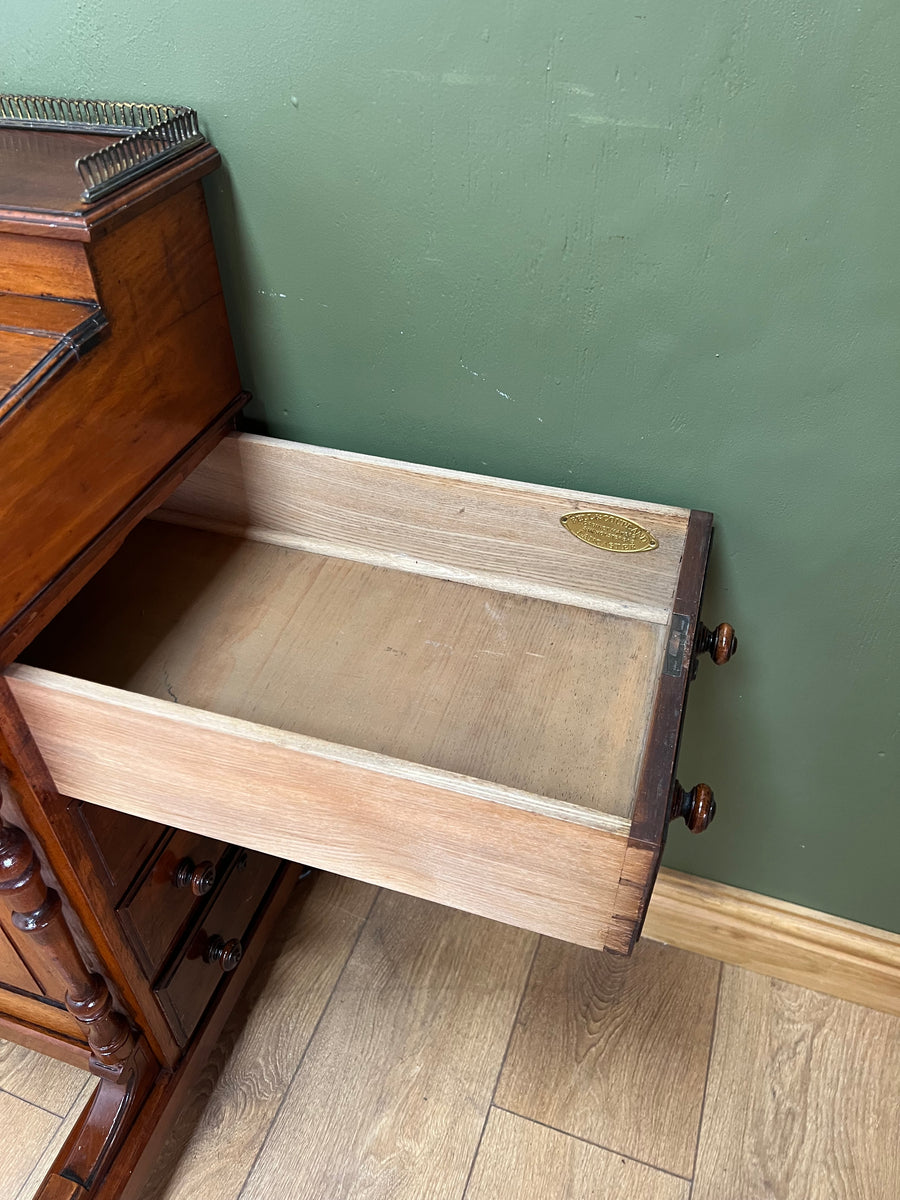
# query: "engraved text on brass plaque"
609,532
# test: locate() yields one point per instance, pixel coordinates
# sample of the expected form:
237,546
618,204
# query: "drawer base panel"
549,699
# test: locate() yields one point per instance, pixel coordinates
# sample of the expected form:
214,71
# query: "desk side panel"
77,450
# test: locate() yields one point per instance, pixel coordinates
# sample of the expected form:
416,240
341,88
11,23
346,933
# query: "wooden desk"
466,689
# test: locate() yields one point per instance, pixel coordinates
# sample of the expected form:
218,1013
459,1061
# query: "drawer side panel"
473,529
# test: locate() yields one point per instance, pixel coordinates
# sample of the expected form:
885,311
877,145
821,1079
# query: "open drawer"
415,677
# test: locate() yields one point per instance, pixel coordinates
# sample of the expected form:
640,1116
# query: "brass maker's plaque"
609,532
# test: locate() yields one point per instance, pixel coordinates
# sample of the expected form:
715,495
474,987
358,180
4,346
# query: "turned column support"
37,911
120,1057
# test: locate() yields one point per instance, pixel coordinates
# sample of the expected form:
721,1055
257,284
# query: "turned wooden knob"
720,643
226,954
698,806
201,878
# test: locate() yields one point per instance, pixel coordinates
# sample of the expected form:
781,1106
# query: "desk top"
65,164
37,168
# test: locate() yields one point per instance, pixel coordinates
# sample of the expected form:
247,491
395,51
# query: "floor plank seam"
81,1098
512,1031
31,1104
310,1041
712,1042
597,1145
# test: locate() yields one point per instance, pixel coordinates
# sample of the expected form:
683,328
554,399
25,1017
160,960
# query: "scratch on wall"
590,118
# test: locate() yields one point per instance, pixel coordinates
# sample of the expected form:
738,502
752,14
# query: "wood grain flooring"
609,1048
266,1037
521,1158
803,1098
392,1095
392,1049
40,1100
40,1081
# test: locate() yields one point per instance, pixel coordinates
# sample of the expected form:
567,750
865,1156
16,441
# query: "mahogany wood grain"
125,1066
37,168
39,337
188,987
92,435
13,969
42,314
60,355
136,1155
518,1158
105,427
31,1012
68,866
121,844
66,584
87,222
695,807
720,643
104,1126
50,1043
20,354
56,1188
37,911
615,1051
44,984
156,910
45,266
803,1096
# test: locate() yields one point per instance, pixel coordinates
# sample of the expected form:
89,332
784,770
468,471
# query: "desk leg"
122,1061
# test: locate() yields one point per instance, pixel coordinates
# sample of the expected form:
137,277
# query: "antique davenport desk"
463,688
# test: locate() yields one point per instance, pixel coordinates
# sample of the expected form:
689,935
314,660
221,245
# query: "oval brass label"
609,532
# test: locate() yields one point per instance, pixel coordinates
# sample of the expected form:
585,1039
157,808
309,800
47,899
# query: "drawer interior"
415,677
548,698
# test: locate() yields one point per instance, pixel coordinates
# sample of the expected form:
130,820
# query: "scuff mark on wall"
590,118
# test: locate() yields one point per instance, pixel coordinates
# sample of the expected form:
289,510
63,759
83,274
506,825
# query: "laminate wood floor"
391,1049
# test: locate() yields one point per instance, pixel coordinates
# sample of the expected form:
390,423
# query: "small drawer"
169,894
214,947
119,843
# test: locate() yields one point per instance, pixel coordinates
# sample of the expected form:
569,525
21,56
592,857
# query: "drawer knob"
226,954
720,643
698,806
201,878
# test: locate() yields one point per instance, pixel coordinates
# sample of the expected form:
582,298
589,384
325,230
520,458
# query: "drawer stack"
184,901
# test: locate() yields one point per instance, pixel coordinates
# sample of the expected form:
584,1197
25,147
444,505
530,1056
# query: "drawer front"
472,845
119,843
214,944
169,894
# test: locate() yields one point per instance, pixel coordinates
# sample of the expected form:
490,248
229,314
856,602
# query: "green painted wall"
648,249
